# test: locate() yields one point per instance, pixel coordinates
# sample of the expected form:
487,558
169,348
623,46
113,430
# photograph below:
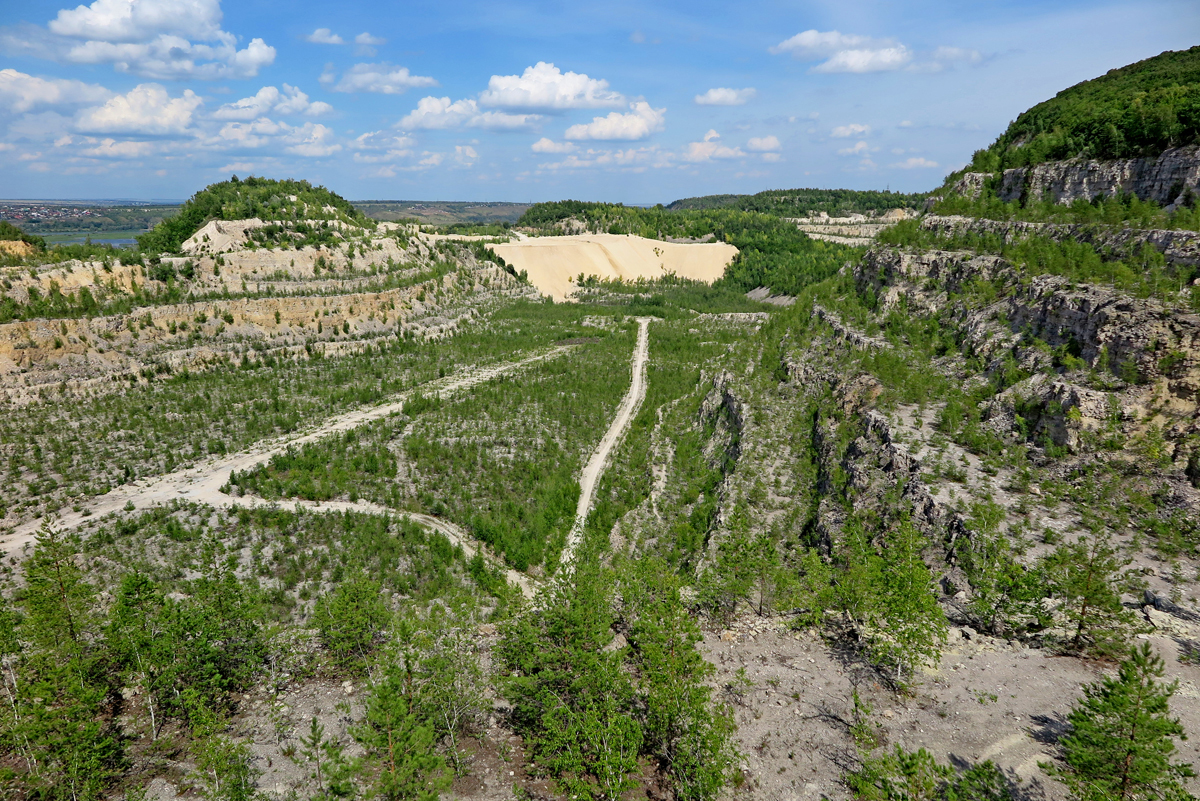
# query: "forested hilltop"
1138,110
268,199
802,202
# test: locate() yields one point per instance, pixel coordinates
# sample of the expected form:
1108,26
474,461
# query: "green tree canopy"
1122,737
235,199
1138,110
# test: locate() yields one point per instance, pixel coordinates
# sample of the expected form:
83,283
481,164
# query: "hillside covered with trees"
265,198
1138,110
801,202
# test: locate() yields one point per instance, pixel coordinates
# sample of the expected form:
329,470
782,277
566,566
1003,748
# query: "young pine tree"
58,600
350,619
1122,737
1084,574
399,744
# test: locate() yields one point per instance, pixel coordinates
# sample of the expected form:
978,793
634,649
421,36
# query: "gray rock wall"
1163,180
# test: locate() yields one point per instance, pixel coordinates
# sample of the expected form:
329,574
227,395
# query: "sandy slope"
202,482
595,466
553,261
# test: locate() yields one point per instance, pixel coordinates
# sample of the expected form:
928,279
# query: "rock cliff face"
1138,338
1146,357
1164,180
725,413
88,354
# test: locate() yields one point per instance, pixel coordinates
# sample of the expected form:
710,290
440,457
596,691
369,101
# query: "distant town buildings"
29,212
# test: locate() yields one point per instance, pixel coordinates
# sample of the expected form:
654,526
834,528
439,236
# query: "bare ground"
988,699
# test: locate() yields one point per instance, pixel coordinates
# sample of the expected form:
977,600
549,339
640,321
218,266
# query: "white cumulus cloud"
324,36
812,44
546,87
365,44
258,133
375,147
915,163
638,123
721,96
547,145
711,148
858,148
145,109
853,129
440,113
884,59
627,160
113,149
381,78
269,99
21,92
140,20
841,52
312,140
763,144
171,57
164,39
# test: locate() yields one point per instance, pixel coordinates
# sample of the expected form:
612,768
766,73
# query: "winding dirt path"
202,482
452,532
599,461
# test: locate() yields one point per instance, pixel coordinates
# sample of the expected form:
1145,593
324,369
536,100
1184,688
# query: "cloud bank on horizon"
156,98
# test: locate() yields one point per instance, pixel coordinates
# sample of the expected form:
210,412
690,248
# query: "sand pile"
554,262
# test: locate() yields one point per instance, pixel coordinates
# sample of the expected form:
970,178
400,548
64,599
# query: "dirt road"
595,466
202,482
456,535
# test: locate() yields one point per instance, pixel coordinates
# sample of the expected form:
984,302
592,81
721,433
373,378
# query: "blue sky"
638,102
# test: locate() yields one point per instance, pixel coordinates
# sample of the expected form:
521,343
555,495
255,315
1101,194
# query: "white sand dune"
554,262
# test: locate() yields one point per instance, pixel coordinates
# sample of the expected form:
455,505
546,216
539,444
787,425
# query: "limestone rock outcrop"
1165,180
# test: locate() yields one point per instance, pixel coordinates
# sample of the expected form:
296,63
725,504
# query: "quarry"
808,494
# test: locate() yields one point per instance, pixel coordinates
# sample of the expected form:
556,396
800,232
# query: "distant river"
121,239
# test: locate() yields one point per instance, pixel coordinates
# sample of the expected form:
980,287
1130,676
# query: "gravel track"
201,483
599,461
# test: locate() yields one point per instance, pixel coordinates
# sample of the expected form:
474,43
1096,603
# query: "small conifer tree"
1122,737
